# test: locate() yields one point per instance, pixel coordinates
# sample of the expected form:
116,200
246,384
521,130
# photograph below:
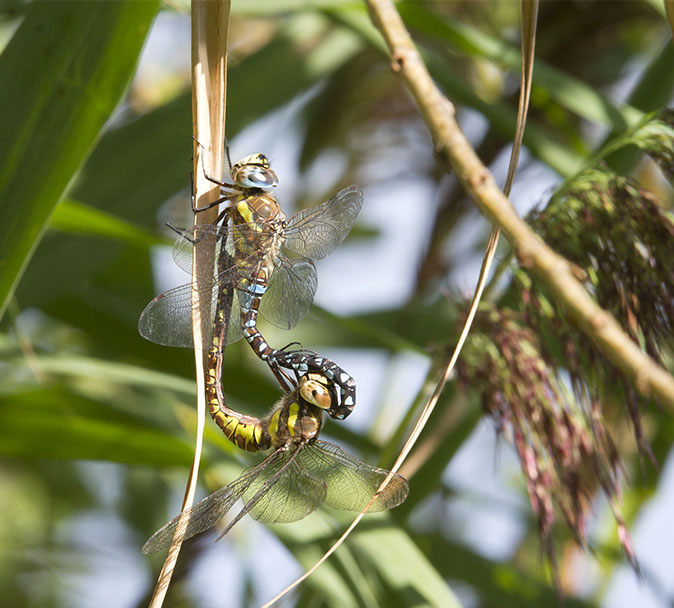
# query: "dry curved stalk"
210,21
528,28
529,14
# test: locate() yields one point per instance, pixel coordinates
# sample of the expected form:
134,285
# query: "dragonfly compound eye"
254,171
316,393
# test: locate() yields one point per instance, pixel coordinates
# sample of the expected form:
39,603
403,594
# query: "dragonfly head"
321,392
316,389
254,171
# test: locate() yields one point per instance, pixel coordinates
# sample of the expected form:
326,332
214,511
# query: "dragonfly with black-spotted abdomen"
300,474
271,271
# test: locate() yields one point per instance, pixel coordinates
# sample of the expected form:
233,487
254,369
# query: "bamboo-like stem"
533,254
210,20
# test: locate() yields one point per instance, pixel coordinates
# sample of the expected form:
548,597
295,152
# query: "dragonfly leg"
288,348
210,178
183,232
232,191
283,378
229,158
223,199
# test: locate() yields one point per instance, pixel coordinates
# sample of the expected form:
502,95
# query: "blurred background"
96,424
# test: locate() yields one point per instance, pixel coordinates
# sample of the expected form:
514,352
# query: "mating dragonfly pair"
263,264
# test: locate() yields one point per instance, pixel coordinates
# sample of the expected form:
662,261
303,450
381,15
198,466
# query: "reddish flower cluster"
565,450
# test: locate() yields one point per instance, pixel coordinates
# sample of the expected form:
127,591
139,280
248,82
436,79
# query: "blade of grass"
77,218
69,64
85,429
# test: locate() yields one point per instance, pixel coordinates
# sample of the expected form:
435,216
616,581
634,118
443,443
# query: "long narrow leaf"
78,218
64,72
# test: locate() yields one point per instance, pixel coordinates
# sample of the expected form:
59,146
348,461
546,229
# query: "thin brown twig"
533,254
210,22
450,418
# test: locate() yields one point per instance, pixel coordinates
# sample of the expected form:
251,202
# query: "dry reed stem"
210,21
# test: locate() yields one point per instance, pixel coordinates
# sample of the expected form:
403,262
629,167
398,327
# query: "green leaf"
275,7
502,118
130,375
69,64
54,423
77,218
652,92
411,577
390,568
499,584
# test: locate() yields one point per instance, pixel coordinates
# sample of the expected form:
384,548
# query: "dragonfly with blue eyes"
269,270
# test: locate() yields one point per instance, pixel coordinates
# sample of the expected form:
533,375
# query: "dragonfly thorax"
299,416
254,171
295,421
262,208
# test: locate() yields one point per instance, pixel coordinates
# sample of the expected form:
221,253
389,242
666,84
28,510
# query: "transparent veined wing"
241,243
210,510
287,491
316,232
202,237
350,482
276,490
167,319
290,293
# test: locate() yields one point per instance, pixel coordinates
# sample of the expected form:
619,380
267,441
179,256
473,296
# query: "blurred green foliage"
86,164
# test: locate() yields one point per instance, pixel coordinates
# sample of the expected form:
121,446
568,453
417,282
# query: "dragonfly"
301,473
271,270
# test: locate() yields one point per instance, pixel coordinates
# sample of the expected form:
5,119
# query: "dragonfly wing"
350,482
290,497
247,241
209,511
290,293
200,238
316,232
167,319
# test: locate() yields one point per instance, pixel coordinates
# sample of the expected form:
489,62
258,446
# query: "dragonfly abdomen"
246,432
251,291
